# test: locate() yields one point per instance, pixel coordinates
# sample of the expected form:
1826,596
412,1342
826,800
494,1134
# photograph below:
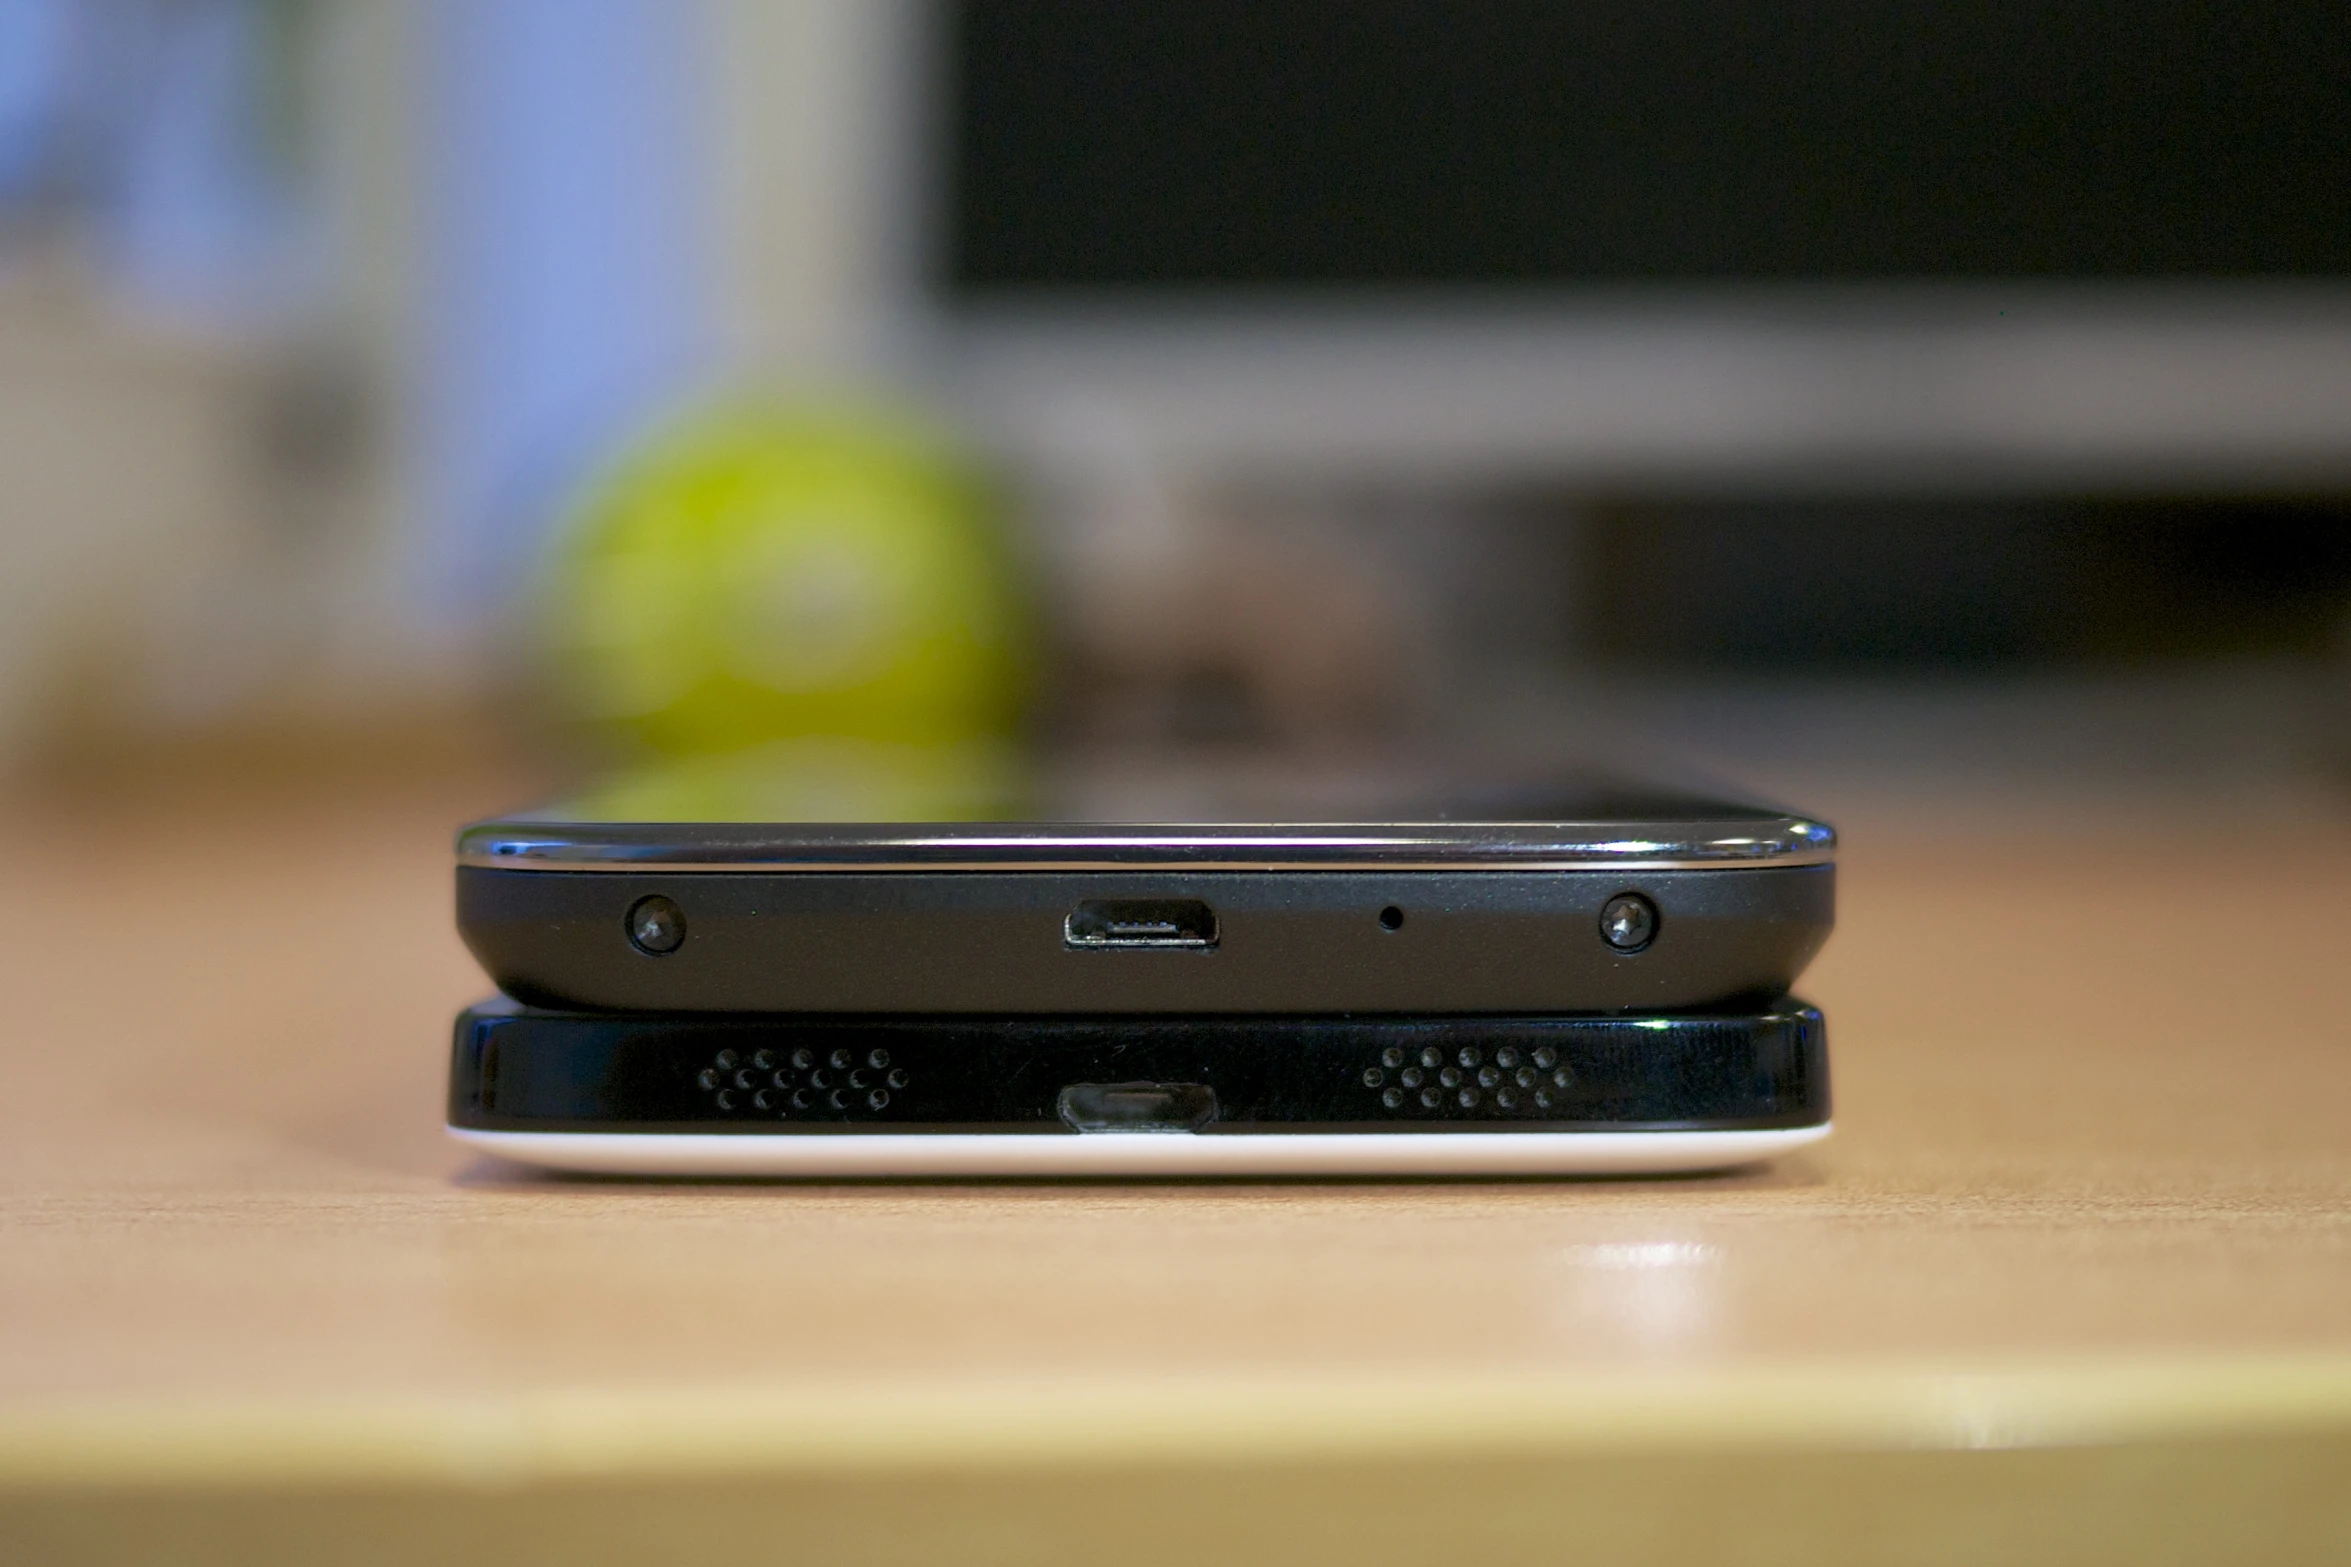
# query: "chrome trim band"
519,846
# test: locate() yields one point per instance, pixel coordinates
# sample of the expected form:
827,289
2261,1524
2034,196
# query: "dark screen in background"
1290,142
1853,585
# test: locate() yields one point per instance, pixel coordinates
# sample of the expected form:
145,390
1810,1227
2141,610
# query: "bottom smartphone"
732,1095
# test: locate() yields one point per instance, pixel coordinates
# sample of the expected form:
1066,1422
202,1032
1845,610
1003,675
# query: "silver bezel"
522,845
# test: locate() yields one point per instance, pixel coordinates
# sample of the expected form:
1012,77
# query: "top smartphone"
1578,897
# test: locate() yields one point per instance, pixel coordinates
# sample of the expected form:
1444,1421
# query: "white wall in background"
199,509
565,221
816,112
121,478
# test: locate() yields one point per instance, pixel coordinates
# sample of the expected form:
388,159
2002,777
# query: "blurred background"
1880,404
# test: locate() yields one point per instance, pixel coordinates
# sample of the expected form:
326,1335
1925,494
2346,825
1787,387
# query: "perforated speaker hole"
803,1084
1465,1081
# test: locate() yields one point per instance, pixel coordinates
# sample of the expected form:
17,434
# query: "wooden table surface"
2071,1282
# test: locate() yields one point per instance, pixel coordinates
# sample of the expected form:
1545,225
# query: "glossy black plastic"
520,1069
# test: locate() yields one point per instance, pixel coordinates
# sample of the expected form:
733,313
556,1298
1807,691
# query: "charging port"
1141,922
1137,1107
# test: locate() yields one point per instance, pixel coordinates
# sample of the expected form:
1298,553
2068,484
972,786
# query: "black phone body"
1599,901
696,1093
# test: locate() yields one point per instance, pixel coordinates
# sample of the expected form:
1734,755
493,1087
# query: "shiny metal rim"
1791,842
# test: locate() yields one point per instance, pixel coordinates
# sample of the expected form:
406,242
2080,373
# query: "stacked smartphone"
1572,979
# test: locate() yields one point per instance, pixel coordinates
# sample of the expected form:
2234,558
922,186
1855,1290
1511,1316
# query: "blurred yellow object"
784,613
815,779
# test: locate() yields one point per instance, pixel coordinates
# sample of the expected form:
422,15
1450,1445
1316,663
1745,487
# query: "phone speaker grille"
802,1083
1464,1083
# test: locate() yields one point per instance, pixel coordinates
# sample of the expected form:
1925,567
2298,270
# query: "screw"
1629,922
656,926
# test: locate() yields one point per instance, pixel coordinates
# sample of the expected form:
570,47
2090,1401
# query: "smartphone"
696,1094
1584,898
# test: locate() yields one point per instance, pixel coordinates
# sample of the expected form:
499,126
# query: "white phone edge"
1142,1153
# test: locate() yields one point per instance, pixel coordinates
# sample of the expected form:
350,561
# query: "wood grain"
2090,1191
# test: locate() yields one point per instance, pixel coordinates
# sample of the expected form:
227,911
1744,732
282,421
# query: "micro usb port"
1184,923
